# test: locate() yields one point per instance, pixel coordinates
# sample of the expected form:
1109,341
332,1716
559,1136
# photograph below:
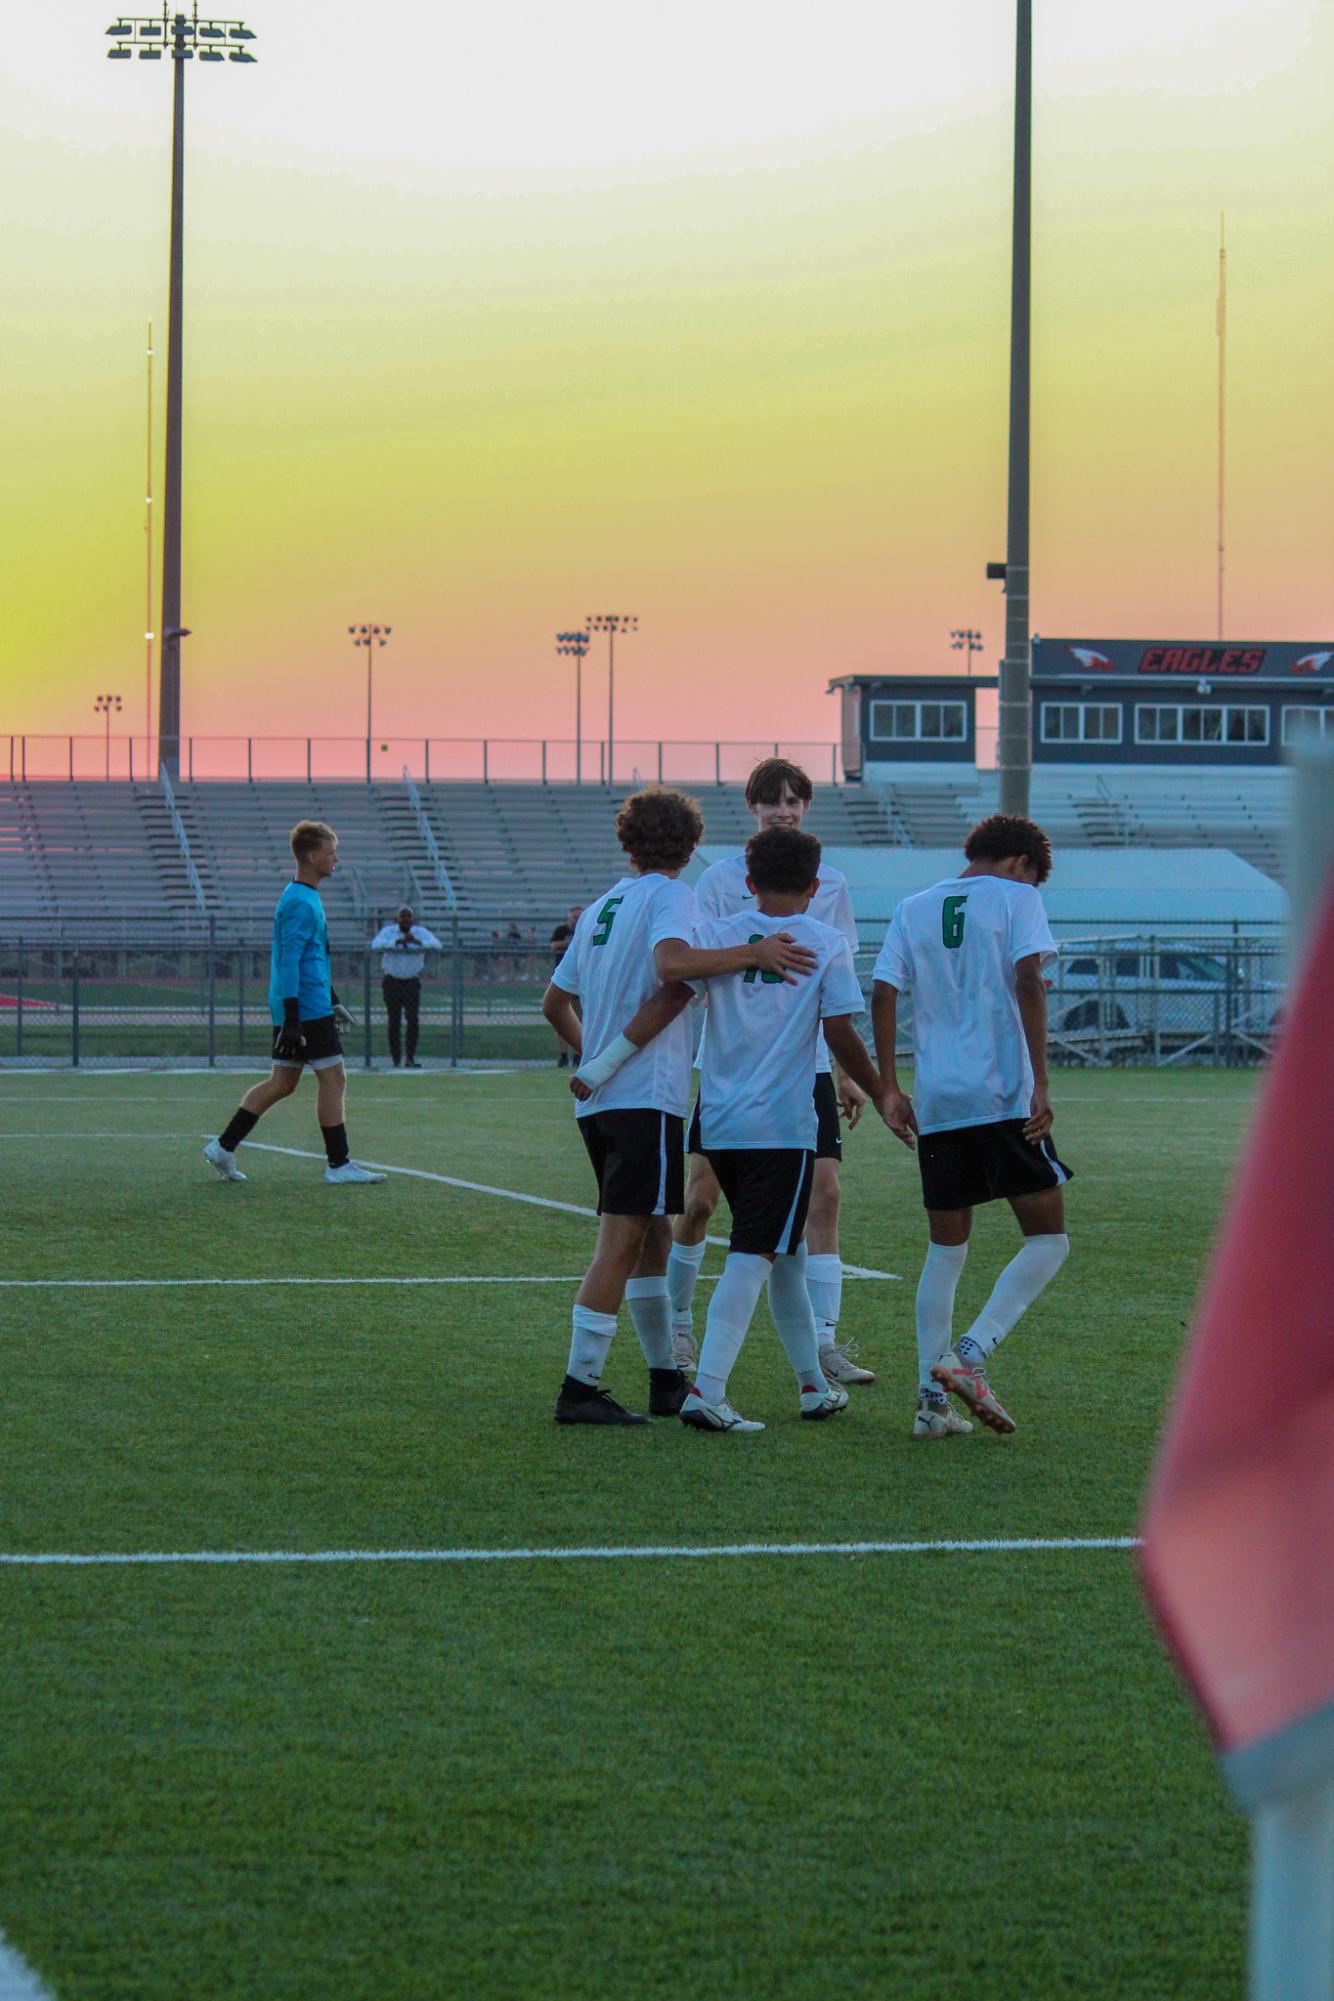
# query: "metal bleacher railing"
182,842
426,834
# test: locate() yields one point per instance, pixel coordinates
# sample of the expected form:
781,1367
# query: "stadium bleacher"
91,850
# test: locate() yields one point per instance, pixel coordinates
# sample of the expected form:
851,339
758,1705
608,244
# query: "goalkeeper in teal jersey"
307,1015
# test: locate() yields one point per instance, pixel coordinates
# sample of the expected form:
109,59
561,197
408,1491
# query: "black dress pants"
402,997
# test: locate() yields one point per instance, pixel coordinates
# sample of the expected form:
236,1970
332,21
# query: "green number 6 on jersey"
951,921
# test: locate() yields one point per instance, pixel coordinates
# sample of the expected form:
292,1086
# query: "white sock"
730,1313
683,1265
790,1304
824,1282
589,1341
651,1311
1029,1272
935,1308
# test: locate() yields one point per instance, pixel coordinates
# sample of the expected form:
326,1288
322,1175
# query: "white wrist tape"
599,1068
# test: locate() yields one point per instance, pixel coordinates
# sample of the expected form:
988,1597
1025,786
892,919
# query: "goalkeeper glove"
343,1015
290,1041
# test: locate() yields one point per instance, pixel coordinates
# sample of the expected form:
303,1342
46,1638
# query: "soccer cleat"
823,1401
218,1156
412,1064
683,1345
840,1365
936,1418
582,1403
720,1416
667,1391
349,1175
972,1387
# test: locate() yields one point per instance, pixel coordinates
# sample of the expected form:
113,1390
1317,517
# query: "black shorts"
974,1164
639,1160
828,1139
323,1047
768,1190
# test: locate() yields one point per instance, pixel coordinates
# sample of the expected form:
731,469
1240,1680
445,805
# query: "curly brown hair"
782,858
1005,834
659,829
765,785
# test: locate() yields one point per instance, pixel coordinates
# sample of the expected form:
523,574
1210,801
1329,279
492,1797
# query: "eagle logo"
1095,662
1313,663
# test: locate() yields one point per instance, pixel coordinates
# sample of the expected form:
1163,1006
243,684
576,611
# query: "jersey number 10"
951,921
770,979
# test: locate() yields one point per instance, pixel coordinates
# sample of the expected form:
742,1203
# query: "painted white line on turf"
18,1982
609,1552
129,1284
508,1195
115,1135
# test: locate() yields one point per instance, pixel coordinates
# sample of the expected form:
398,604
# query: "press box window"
919,722
1081,722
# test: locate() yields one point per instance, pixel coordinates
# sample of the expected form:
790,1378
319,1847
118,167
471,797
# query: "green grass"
929,1777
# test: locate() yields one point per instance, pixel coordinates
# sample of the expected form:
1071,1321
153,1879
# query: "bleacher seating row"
90,850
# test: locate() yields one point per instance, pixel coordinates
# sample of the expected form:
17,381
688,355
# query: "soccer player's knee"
697,1211
1055,1247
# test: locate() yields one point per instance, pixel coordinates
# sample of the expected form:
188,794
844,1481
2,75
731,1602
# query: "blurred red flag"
1238,1555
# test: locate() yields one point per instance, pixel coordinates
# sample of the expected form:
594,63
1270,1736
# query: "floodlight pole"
181,37
169,646
1014,748
611,622
576,643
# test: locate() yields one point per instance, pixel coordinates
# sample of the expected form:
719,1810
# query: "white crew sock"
683,1266
589,1341
790,1304
935,1308
1029,1272
824,1282
651,1311
730,1313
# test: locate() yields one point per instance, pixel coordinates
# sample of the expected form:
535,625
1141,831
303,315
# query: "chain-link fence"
106,999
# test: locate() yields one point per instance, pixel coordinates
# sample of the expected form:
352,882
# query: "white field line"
18,1982
470,1278
609,1552
509,1195
115,1135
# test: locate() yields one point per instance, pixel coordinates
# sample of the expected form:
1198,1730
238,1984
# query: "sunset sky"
496,317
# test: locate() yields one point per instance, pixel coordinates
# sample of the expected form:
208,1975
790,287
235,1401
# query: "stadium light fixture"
576,645
369,636
182,35
611,622
107,705
964,636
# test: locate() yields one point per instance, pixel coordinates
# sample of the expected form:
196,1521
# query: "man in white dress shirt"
405,944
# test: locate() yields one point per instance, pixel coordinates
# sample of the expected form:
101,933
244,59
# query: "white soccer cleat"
838,1360
349,1175
720,1416
938,1419
684,1351
218,1156
825,1402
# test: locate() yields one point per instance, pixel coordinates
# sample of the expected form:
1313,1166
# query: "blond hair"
307,835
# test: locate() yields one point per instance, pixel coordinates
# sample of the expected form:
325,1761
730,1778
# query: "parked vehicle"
1173,996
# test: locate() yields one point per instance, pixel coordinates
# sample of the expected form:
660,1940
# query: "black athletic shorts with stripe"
768,1190
974,1164
828,1138
639,1160
324,1046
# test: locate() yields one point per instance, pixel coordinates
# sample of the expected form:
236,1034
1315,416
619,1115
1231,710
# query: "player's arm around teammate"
306,1015
778,794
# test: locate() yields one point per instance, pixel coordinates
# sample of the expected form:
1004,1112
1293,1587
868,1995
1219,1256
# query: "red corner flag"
1238,1552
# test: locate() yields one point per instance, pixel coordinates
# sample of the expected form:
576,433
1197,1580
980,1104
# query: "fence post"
240,997
544,760
74,1010
717,762
71,760
366,1010
426,760
660,760
212,994
1231,996
486,762
1157,1002
456,999
18,1006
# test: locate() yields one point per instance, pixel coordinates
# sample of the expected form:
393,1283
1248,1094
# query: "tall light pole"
576,643
148,560
1014,746
370,636
107,705
213,40
611,622
964,635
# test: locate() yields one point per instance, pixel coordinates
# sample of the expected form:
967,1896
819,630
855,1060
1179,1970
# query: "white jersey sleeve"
841,916
894,965
715,892
672,914
840,989
569,973
1029,930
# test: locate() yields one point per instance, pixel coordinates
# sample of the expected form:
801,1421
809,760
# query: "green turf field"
934,1777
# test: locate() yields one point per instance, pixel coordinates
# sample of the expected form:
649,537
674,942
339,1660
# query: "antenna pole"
1223,385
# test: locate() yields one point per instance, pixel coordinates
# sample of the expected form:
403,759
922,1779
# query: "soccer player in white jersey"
758,1121
778,794
630,952
970,951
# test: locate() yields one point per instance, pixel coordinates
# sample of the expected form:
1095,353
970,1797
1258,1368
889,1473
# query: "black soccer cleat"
580,1403
667,1391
